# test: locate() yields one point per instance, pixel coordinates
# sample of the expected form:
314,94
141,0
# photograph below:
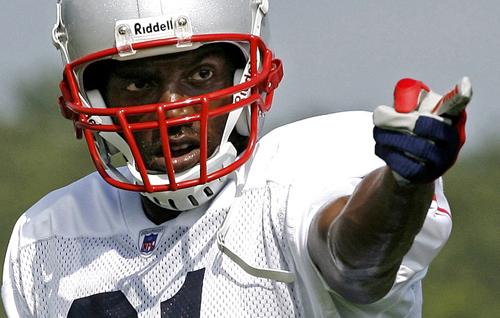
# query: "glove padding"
420,138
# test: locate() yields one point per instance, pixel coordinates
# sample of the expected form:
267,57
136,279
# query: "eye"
138,86
202,74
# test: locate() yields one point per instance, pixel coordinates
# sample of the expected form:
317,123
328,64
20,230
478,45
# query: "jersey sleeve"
316,297
404,299
433,235
12,296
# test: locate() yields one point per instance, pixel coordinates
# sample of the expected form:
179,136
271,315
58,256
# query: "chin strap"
268,273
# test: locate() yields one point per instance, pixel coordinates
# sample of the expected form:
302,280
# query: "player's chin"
180,163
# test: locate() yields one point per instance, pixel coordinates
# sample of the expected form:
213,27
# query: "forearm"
367,239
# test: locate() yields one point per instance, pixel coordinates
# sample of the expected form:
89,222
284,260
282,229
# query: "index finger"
455,100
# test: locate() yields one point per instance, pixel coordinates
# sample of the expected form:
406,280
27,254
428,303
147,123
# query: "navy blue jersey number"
111,304
185,304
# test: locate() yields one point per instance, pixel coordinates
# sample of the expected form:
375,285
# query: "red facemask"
256,93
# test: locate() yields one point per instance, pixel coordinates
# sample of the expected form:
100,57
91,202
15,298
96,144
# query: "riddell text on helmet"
153,27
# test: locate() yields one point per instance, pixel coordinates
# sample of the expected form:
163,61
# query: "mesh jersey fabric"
84,240
51,273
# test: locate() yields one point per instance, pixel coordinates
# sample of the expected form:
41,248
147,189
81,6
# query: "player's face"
170,78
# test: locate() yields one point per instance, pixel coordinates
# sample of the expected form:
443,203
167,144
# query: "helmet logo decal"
245,77
128,32
153,27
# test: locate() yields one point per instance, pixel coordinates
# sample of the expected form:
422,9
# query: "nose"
170,96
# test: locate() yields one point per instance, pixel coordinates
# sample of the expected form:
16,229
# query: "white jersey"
88,249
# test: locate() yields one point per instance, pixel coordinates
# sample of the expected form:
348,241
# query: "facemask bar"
262,85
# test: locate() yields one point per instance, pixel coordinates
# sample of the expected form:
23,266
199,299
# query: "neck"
156,213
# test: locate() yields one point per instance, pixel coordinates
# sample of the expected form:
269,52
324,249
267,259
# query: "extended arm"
358,242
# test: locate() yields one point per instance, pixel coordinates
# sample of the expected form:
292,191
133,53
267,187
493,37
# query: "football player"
191,215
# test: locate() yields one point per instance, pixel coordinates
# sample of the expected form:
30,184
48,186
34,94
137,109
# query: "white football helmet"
88,31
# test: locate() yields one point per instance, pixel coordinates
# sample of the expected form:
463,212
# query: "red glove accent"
460,126
406,94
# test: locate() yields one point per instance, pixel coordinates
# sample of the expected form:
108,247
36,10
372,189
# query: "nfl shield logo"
148,240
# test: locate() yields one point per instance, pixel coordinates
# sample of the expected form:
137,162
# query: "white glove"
420,137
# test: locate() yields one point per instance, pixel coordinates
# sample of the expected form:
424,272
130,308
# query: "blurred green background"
39,154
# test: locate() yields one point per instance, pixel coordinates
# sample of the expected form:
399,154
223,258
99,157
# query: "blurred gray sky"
338,55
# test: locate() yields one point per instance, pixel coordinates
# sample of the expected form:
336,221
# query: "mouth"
181,150
184,154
